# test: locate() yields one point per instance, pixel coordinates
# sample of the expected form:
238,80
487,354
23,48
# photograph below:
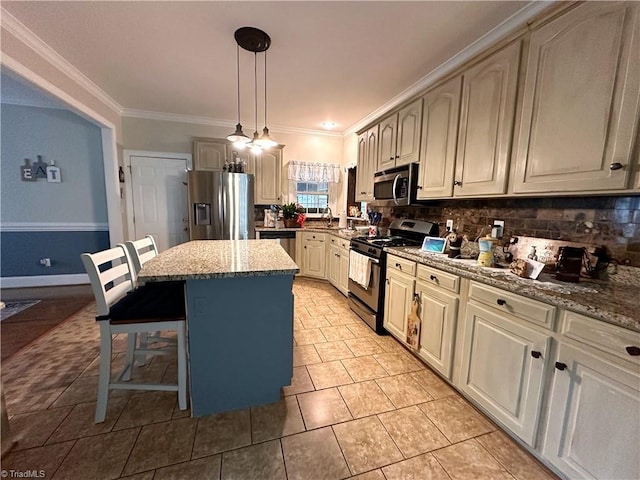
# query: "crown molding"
16,28
515,21
216,122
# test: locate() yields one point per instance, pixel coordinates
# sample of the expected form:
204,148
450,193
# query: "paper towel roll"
342,222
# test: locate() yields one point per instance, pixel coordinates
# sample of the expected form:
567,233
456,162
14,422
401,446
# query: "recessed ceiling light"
328,125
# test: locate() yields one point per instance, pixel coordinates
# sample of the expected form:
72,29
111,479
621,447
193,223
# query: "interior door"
160,199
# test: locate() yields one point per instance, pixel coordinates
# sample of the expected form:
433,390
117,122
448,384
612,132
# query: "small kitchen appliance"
569,264
487,246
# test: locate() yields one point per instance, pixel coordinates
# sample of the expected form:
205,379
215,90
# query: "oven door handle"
373,260
395,184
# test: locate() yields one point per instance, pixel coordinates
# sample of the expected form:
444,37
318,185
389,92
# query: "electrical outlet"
46,262
498,223
449,225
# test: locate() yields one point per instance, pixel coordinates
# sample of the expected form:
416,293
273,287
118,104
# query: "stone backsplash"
612,222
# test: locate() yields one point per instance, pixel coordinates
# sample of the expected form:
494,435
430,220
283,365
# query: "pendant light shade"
256,41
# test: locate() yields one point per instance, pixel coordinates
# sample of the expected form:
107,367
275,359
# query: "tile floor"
360,406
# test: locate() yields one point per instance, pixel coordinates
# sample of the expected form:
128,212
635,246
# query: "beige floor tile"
396,363
363,346
336,319
517,462
331,351
433,384
300,382
366,444
339,332
30,430
305,355
308,336
207,468
364,368
457,420
276,420
81,421
403,390
372,475
422,467
329,374
365,398
315,322
319,310
343,309
46,459
389,344
162,444
323,408
257,461
360,330
146,408
222,432
100,457
412,431
29,400
297,324
469,460
140,476
314,455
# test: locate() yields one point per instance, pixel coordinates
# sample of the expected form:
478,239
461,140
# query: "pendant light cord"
255,84
238,76
265,88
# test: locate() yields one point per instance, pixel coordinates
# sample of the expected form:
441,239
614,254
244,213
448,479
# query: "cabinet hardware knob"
397,156
363,193
457,183
399,266
535,354
501,302
633,350
615,166
305,246
434,278
419,187
387,280
561,366
391,159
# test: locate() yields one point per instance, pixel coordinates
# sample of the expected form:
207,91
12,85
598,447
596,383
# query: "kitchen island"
239,319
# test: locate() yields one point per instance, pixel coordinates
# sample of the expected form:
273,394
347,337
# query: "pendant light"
256,41
238,138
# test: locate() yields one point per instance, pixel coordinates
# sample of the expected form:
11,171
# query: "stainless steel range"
368,301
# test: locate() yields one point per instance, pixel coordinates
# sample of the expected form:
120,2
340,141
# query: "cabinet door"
314,255
367,159
438,314
267,170
209,155
593,429
388,130
486,123
398,296
440,113
408,141
343,281
334,266
580,105
499,370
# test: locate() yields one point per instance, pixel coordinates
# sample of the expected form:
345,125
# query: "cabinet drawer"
527,309
439,278
401,265
313,237
344,244
603,336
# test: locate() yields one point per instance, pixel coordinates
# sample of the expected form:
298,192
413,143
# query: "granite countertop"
339,232
205,259
615,303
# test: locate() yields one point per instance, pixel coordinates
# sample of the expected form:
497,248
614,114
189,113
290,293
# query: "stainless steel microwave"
396,186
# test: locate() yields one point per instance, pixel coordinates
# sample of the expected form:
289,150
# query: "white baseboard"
44,280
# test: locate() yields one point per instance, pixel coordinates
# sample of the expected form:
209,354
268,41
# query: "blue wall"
50,220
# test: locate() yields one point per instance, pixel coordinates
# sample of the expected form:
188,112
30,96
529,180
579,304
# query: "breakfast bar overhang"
239,319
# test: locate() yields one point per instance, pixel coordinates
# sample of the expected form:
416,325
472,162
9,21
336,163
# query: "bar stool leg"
105,371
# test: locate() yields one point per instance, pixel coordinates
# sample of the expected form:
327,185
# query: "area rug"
11,308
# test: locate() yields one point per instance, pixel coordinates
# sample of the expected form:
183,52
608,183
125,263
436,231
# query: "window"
313,196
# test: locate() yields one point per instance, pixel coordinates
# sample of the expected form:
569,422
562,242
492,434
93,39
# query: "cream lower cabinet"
338,264
503,367
398,296
437,293
593,426
313,255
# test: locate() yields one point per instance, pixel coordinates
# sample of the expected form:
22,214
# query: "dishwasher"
286,238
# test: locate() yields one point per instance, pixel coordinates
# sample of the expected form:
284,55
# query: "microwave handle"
395,184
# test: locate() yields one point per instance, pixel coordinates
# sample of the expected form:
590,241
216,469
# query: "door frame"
126,190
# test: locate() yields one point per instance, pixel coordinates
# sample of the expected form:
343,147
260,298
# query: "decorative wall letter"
25,171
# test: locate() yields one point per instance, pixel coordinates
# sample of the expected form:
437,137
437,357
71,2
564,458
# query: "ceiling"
328,61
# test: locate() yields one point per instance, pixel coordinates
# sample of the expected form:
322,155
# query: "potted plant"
290,213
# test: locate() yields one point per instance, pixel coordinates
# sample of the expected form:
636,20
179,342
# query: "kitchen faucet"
329,215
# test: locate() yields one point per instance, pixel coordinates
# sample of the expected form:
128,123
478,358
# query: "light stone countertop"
615,303
338,232
205,259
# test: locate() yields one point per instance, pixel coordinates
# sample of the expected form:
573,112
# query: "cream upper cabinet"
267,168
440,113
486,123
580,105
367,160
400,137
209,155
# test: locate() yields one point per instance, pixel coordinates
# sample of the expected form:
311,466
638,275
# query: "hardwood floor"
57,304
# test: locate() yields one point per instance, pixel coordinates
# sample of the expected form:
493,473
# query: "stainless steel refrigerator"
221,206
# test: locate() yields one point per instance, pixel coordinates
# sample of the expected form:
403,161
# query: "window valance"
314,172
